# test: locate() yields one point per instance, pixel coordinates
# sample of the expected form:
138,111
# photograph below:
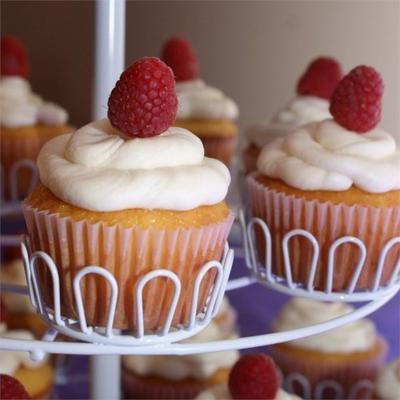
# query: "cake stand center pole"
105,370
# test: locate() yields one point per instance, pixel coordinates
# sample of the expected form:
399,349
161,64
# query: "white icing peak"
299,111
19,106
326,156
13,273
356,336
10,361
388,381
97,169
221,392
198,100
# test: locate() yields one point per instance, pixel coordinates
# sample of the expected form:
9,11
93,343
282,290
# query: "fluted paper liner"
327,222
13,150
137,387
221,148
350,374
128,253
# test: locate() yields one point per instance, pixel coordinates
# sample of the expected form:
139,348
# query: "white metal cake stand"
107,344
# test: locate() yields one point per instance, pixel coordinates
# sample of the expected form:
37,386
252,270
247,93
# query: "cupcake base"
346,370
23,143
38,382
219,137
129,245
154,387
374,219
249,157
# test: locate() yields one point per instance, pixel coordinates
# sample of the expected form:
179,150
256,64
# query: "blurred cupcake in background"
202,109
314,90
339,364
387,385
26,120
35,376
183,377
254,376
20,313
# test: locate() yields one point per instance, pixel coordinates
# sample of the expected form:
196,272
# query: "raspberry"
179,55
13,57
357,101
320,78
11,389
254,376
143,102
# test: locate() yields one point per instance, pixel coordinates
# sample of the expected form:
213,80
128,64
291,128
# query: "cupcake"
130,194
387,385
21,314
349,356
314,90
333,178
182,377
35,376
203,109
254,376
26,121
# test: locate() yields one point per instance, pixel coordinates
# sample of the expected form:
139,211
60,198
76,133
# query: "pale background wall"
253,50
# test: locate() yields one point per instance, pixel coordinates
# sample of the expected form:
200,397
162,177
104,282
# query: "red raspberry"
11,389
254,376
13,57
178,53
143,102
357,101
320,78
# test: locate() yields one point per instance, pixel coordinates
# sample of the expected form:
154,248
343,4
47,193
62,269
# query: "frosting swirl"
388,381
356,336
198,366
198,100
300,111
326,156
221,392
168,171
10,361
19,106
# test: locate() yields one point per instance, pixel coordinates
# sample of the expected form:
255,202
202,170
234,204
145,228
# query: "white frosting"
221,392
300,111
96,169
356,336
13,273
326,156
198,100
19,106
10,361
388,381
198,366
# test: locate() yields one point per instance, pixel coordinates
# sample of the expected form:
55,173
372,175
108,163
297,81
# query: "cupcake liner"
327,222
221,148
128,253
12,151
328,377
137,387
249,157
